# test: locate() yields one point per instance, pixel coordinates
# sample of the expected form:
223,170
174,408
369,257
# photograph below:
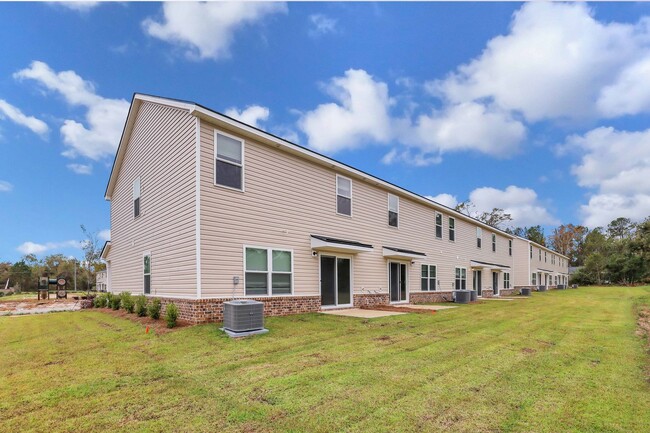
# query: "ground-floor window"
269,271
506,280
534,279
146,270
556,280
461,279
428,277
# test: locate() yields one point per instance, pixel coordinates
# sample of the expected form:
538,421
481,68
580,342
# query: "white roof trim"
474,264
392,254
106,250
336,247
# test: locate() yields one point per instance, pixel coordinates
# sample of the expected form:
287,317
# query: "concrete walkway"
362,313
426,307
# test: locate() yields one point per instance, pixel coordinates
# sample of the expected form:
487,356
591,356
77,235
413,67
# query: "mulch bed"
643,330
159,326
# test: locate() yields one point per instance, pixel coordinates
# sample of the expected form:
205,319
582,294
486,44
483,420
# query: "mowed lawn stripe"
559,361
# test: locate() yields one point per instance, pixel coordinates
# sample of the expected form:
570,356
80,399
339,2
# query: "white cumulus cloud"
616,164
521,203
15,115
207,30
444,199
105,117
321,25
81,168
6,186
359,115
79,6
251,115
36,248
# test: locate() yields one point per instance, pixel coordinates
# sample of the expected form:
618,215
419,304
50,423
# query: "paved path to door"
362,313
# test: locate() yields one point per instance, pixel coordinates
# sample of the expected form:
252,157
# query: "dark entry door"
495,283
335,285
397,282
478,283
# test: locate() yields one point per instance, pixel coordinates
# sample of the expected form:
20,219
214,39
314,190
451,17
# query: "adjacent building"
205,208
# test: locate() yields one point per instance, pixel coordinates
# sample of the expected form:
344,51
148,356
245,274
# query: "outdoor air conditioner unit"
243,317
525,291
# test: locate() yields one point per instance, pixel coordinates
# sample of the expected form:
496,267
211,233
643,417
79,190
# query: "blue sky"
540,109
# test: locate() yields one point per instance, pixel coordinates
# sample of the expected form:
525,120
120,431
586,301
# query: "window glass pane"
147,264
136,207
439,219
425,271
393,203
228,149
228,175
147,284
281,261
432,271
343,187
343,205
281,284
392,219
256,283
452,223
425,284
256,259
136,188
457,272
439,231
432,284
463,273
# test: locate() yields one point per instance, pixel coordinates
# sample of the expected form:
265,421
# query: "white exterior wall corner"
160,149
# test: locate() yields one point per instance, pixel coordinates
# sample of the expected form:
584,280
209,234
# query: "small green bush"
171,314
127,302
141,305
114,302
154,309
100,301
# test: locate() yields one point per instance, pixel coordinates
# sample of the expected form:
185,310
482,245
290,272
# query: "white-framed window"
556,280
343,195
452,229
506,280
531,251
136,198
479,233
534,279
461,279
510,247
545,256
428,278
539,250
229,161
393,210
438,225
494,243
268,271
146,272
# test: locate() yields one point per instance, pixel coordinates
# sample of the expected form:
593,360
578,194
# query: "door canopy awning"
324,243
545,271
402,254
485,265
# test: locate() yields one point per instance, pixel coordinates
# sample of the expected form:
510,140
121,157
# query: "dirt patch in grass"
643,330
158,326
399,309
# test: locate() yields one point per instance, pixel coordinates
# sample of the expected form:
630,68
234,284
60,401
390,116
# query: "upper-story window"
494,243
479,233
545,256
438,225
509,247
393,210
229,161
136,198
539,250
530,247
343,195
452,229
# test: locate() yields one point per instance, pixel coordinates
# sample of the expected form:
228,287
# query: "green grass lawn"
562,361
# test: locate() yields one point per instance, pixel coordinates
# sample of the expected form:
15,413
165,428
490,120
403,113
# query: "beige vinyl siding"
161,152
525,266
521,255
288,198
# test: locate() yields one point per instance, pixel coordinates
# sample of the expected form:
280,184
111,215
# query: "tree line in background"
616,254
23,275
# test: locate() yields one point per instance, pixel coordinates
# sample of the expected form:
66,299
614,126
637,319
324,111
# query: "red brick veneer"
211,310
427,297
370,300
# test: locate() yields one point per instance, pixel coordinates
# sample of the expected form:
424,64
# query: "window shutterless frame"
269,270
136,197
428,278
494,242
146,272
393,210
479,234
438,225
510,247
343,179
452,229
240,164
